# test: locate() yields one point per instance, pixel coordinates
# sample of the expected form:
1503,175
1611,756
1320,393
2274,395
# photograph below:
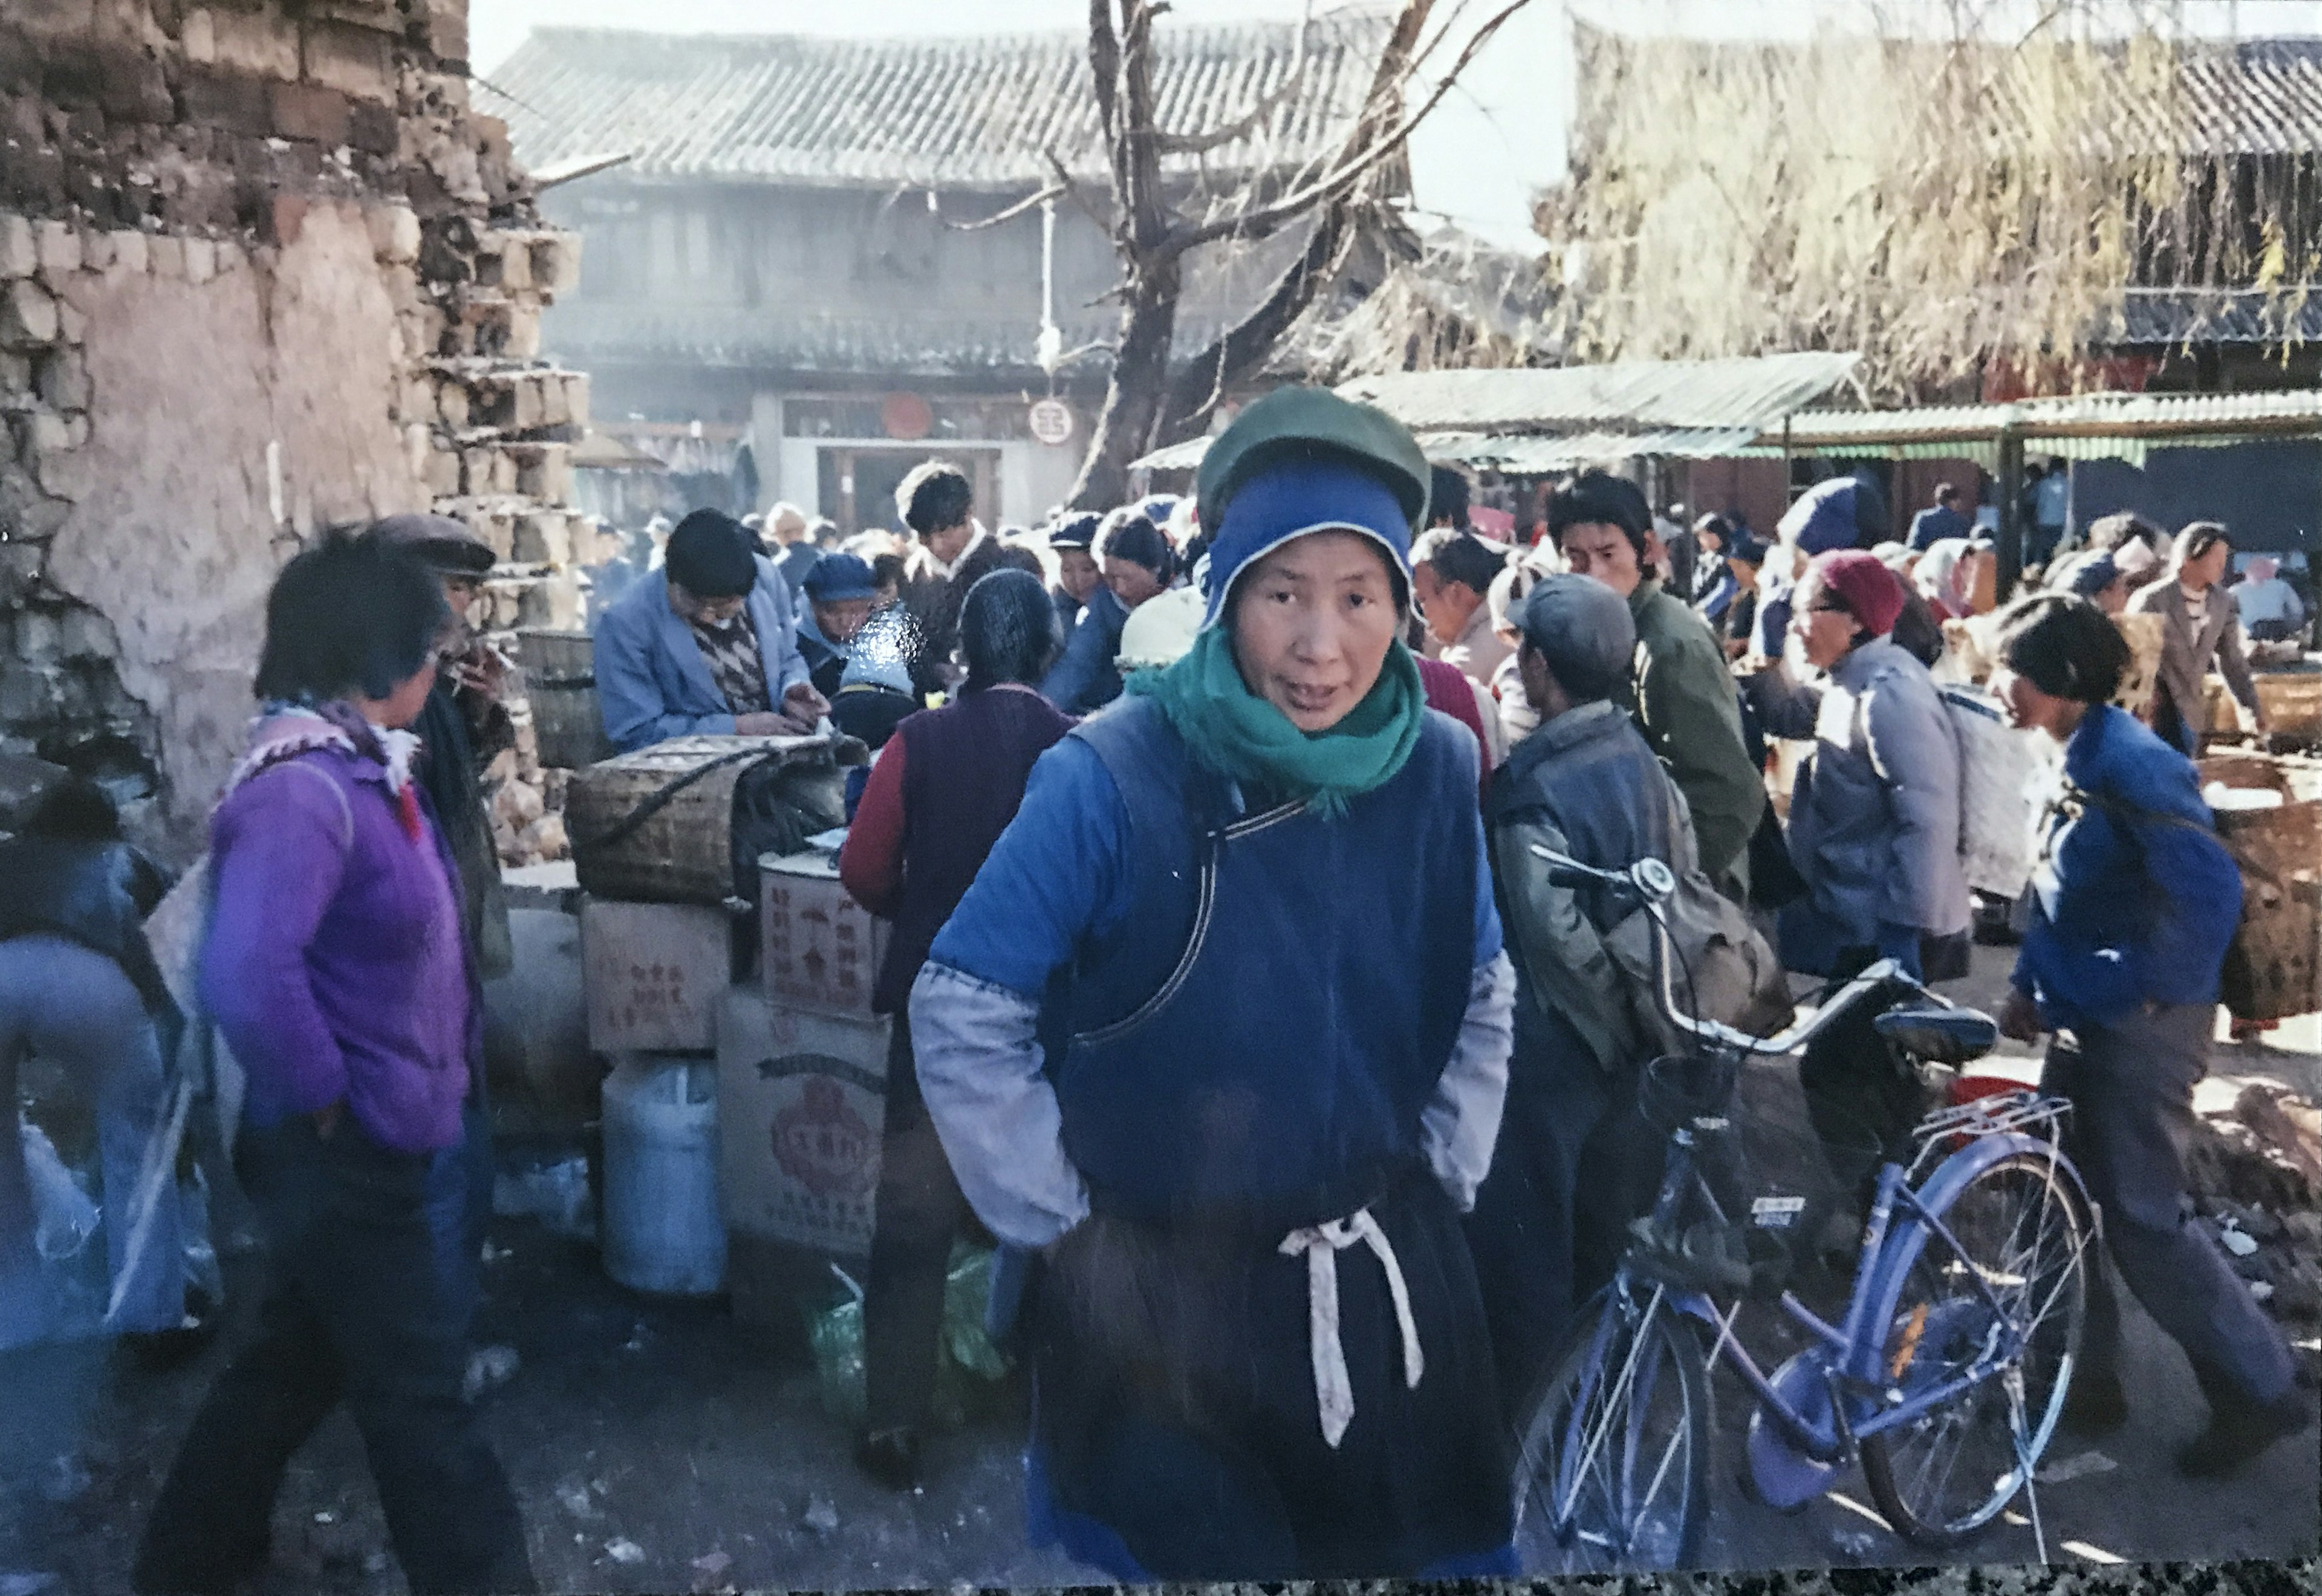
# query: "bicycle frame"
1864,1400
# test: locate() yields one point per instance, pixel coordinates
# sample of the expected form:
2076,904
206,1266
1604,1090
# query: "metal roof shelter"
962,112
1538,420
2082,426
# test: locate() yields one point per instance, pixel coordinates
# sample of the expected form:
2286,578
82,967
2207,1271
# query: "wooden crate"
560,683
2271,971
657,825
2293,702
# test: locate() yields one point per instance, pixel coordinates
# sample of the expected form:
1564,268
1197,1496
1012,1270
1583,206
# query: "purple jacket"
334,964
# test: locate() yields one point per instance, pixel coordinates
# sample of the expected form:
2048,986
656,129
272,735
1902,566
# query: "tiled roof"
955,112
2219,316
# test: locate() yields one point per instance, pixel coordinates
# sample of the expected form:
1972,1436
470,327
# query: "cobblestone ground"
660,1446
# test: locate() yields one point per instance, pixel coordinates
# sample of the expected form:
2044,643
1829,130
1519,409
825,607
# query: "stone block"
85,634
556,263
132,87
545,537
258,42
309,111
451,402
555,408
167,254
515,263
20,572
373,128
394,233
19,249
197,37
233,101
576,397
529,414
523,332
67,473
201,261
548,475
28,316
28,694
417,402
356,61
62,379
443,472
16,373
447,27
44,432
130,253
72,324
59,245
38,639
95,251
231,257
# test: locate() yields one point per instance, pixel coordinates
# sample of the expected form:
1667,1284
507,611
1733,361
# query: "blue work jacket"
653,683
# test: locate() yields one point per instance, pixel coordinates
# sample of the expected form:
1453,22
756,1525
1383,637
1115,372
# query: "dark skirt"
1177,1432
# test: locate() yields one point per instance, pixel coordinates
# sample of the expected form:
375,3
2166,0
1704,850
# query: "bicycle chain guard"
1786,1478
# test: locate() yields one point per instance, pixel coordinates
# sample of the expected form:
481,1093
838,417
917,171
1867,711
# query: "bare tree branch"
1030,202
1351,170
1249,120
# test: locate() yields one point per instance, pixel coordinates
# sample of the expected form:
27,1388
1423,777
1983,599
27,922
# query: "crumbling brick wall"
262,271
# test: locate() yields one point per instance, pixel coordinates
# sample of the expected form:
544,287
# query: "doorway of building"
857,485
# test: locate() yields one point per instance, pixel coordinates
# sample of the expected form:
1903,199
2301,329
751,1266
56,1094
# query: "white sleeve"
1460,1124
977,1051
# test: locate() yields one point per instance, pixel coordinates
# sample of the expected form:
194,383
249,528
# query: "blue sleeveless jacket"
1252,1044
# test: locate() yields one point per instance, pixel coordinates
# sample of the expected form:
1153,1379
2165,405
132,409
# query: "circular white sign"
1052,421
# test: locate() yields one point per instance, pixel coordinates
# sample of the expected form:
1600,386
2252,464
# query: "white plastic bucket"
662,1229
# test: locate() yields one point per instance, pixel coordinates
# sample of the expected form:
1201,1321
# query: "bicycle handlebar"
1652,883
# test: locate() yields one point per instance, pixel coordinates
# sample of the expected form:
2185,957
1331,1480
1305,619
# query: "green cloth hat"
1291,422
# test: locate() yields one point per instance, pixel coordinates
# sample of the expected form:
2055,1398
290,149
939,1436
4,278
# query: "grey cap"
1582,628
441,544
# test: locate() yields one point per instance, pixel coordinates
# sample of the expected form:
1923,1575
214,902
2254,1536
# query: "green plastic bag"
966,1363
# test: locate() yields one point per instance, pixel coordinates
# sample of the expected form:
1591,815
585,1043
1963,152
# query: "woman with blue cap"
1221,1033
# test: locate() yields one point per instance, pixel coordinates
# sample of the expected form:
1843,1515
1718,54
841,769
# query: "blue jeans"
74,1005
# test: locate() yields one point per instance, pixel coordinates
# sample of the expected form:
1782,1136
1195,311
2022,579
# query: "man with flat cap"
1569,1169
707,645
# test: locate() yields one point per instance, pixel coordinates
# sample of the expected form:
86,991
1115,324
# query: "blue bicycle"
1944,1374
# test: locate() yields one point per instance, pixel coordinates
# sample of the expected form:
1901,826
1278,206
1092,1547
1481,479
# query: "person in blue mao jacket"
2134,904
1221,1032
707,645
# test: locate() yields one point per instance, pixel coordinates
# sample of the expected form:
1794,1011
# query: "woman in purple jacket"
336,972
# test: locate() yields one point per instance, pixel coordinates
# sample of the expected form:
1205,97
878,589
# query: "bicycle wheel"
1613,1469
2020,1228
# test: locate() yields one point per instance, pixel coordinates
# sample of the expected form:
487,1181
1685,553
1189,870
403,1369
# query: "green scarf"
1233,731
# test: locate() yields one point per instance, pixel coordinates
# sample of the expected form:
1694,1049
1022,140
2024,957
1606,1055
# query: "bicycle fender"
1910,1233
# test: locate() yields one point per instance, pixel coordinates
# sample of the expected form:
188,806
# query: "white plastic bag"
63,1216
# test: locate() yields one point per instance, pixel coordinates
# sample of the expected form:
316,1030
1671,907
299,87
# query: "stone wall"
262,271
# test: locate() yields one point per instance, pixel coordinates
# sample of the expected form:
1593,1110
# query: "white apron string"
1322,1244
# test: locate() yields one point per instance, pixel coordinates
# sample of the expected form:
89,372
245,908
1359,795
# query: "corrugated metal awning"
2081,426
1527,421
1627,396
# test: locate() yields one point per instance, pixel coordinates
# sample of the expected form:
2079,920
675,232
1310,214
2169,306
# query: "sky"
1478,160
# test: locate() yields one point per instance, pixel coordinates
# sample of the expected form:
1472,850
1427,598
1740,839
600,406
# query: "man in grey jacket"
1875,831
1574,1162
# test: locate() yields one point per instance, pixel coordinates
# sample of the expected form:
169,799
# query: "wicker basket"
559,680
2270,971
657,825
2146,636
2293,702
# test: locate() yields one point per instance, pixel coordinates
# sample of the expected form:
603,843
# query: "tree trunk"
1133,394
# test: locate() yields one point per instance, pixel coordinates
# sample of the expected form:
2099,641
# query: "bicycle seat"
1939,1036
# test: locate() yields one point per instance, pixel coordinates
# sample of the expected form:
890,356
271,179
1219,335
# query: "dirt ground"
659,1446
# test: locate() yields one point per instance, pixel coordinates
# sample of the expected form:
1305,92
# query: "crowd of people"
1230,995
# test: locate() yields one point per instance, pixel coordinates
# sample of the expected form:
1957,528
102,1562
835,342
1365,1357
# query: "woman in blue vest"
1221,1031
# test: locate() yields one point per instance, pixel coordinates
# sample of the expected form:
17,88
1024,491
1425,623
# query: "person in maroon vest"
945,785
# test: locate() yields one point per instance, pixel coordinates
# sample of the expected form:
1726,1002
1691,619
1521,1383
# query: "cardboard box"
654,973
822,949
801,1105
